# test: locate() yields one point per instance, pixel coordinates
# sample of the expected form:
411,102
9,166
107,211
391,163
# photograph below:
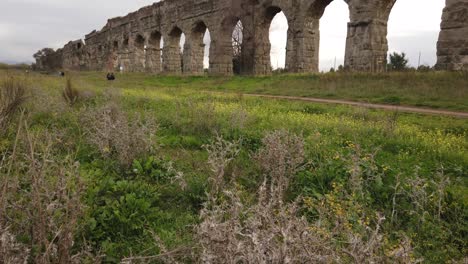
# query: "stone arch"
262,46
153,52
278,37
452,52
401,15
172,57
317,8
139,56
303,45
332,34
139,41
194,53
366,43
113,58
235,27
221,48
125,42
311,34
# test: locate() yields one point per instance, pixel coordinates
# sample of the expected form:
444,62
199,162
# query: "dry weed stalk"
363,170
203,116
11,251
70,94
220,153
42,202
239,118
166,256
46,102
280,158
111,131
271,230
427,195
12,96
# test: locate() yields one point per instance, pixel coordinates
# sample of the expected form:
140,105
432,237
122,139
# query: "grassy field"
441,90
166,165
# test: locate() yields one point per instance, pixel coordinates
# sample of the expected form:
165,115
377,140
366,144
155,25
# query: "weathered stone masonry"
452,48
133,42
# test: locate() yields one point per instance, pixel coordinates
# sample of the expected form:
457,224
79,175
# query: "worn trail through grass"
396,108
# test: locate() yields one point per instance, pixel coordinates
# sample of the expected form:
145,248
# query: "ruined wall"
452,47
133,43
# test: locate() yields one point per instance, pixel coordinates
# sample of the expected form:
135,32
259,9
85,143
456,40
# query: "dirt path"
366,105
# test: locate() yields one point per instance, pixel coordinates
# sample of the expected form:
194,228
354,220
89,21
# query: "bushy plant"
11,250
127,210
121,213
117,136
398,61
271,229
157,171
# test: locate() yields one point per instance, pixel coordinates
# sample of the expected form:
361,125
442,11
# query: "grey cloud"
422,42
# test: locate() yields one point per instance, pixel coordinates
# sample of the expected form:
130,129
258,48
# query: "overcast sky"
28,25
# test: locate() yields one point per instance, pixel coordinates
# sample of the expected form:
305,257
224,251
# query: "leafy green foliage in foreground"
412,169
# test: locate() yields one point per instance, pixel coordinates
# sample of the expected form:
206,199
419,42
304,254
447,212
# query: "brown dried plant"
12,96
220,153
117,136
41,200
271,230
70,94
280,158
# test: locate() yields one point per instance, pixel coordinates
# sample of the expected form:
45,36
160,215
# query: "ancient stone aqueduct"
133,41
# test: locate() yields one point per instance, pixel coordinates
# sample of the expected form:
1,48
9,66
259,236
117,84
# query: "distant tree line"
397,62
20,66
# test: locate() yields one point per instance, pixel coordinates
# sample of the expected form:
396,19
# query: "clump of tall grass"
70,94
12,96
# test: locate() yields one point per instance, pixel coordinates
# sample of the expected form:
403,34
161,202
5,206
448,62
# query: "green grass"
443,90
190,111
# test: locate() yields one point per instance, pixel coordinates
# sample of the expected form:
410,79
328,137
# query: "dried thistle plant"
280,158
12,251
239,118
41,200
115,135
271,230
220,153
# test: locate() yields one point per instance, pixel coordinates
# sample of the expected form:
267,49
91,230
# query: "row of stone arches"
152,52
213,41
366,44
